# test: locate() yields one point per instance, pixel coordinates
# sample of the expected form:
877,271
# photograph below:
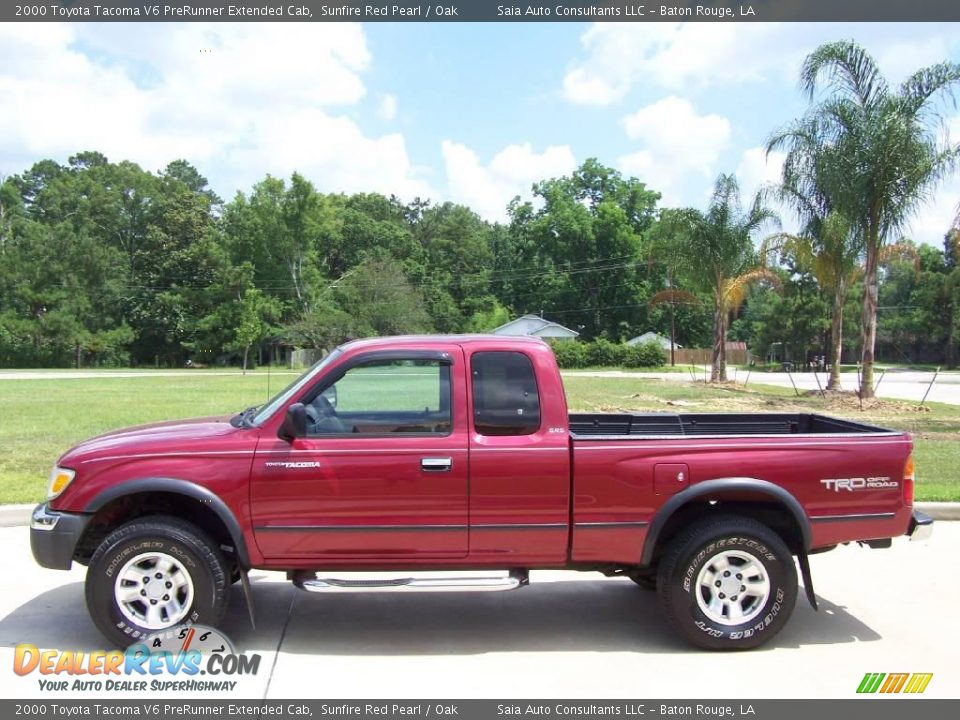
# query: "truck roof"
393,340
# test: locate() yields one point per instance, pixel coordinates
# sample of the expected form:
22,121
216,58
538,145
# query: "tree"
579,250
715,253
830,255
884,148
254,322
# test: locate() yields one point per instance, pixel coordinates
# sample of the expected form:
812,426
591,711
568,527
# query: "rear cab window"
506,400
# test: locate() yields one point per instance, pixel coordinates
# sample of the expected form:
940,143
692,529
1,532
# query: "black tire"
647,582
194,552
692,550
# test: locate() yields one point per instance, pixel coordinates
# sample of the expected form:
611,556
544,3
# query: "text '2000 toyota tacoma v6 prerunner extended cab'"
457,453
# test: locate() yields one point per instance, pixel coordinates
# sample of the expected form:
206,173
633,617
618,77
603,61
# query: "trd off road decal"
859,483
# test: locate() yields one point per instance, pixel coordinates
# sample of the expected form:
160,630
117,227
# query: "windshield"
281,398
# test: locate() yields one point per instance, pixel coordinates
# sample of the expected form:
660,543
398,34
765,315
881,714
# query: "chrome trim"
441,584
857,516
436,464
355,528
613,524
518,526
43,520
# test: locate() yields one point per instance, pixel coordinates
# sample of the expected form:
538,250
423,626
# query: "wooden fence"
703,356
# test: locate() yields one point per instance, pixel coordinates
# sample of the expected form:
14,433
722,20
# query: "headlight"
59,479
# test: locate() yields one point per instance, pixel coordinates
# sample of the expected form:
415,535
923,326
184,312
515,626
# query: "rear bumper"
921,526
54,536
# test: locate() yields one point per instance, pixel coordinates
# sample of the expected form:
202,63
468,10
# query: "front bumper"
54,536
921,526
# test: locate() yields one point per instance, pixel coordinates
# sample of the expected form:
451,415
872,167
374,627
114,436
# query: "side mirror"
294,423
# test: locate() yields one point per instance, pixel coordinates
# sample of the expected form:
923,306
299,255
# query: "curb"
940,510
15,515
19,515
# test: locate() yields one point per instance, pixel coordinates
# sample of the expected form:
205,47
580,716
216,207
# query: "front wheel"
728,583
152,574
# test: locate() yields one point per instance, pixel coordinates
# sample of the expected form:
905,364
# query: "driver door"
382,472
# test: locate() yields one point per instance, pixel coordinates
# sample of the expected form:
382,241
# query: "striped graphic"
894,682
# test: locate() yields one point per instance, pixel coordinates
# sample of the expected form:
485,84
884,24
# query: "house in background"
535,326
653,337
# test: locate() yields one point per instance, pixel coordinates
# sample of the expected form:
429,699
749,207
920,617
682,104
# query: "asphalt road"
568,635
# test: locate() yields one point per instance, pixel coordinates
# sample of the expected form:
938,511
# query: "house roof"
652,337
534,325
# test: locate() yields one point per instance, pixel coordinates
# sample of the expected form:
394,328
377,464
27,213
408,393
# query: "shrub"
570,354
603,353
648,354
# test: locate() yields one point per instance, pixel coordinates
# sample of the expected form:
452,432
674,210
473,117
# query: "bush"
570,354
603,353
648,354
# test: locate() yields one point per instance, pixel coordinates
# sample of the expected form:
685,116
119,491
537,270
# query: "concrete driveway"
568,635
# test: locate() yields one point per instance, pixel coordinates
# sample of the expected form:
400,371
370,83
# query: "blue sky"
468,112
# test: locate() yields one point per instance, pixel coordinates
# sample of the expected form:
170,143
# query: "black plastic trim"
54,548
179,487
709,487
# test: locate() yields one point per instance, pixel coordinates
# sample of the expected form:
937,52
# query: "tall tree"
579,250
886,148
716,254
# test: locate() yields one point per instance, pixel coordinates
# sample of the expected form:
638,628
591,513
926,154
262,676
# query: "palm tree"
717,254
830,255
886,156
828,246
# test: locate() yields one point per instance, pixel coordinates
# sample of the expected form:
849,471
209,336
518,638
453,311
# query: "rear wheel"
728,583
152,574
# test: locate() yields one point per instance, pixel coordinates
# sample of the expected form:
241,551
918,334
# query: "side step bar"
311,583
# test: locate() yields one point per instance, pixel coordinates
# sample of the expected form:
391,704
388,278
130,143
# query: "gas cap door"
670,478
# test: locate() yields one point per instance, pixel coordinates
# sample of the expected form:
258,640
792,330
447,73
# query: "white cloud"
678,143
489,188
387,110
619,56
932,220
670,55
237,99
757,169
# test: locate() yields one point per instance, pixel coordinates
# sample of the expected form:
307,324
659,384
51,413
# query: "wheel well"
771,513
141,504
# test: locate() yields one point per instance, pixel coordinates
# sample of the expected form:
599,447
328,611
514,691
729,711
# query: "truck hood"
151,438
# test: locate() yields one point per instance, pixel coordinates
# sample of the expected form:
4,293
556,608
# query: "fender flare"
709,487
186,489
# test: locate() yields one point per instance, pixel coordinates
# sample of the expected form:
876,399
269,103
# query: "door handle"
436,464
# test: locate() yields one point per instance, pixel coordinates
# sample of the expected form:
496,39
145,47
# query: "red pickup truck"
458,453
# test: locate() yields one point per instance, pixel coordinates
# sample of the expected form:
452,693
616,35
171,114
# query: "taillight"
908,478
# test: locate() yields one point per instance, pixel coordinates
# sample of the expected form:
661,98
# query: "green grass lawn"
40,419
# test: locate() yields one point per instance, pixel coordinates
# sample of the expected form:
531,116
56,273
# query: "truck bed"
610,425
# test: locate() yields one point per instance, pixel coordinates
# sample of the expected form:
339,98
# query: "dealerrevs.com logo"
192,658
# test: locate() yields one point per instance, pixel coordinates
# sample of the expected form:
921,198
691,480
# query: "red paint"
506,501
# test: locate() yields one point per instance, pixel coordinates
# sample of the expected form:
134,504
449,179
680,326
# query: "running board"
514,580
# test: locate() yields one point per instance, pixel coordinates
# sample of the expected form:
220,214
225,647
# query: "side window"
384,396
505,397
